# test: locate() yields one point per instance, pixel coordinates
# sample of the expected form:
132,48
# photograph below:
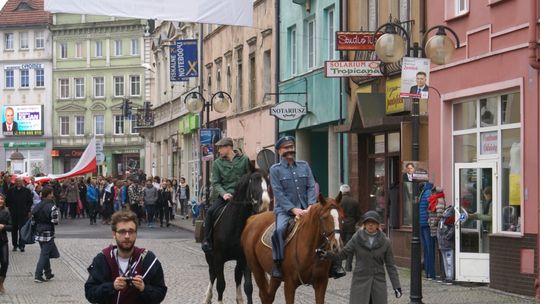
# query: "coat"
19,201
351,208
369,278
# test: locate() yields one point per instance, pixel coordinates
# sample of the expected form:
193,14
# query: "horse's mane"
314,211
240,193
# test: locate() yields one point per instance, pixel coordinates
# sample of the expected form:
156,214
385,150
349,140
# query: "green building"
97,63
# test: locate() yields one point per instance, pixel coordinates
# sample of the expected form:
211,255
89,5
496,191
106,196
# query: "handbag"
28,232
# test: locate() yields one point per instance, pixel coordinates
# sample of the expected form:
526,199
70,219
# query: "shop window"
511,180
488,112
510,108
465,148
465,115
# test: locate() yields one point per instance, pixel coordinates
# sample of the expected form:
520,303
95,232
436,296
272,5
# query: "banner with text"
334,68
22,120
184,62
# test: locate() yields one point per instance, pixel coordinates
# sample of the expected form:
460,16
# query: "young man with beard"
124,273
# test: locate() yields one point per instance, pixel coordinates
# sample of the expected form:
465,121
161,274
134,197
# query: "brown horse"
318,229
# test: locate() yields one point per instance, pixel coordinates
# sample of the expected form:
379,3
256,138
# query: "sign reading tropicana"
288,110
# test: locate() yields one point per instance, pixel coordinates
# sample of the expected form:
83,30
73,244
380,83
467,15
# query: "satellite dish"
265,159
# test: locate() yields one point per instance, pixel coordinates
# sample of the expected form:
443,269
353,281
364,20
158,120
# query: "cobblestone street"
185,272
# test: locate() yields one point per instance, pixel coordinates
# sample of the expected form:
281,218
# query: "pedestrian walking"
164,202
351,210
124,273
150,197
72,197
92,196
373,253
45,217
183,198
5,226
83,206
19,201
107,201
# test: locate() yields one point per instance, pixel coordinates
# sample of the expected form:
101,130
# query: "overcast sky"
2,2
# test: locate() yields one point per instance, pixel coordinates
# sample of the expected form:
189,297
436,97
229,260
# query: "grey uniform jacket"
369,278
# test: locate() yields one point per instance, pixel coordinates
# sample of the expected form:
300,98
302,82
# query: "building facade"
97,63
26,86
307,40
484,139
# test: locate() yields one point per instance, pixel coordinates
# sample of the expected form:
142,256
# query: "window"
23,40
404,13
118,48
239,81
63,88
8,41
99,48
311,44
64,125
78,50
462,6
63,50
79,125
372,15
292,51
99,125
25,78
40,77
118,124
267,75
252,81
489,129
330,33
118,86
135,85
99,87
40,40
79,87
134,46
10,79
134,124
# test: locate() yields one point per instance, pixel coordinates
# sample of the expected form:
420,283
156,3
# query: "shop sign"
361,68
24,66
355,41
288,110
394,103
489,143
70,153
24,144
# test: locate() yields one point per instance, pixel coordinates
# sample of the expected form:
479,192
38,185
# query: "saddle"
292,228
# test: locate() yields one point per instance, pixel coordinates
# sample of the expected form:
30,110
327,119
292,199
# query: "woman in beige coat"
373,253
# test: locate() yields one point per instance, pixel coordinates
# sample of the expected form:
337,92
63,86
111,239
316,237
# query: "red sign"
355,41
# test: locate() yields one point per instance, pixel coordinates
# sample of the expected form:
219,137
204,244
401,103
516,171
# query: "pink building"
484,139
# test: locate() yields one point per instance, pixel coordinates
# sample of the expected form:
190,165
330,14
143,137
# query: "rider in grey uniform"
293,186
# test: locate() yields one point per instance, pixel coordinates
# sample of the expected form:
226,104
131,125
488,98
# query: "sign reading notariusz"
288,110
334,68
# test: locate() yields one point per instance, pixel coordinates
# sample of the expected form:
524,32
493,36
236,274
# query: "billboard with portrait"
209,137
415,78
21,120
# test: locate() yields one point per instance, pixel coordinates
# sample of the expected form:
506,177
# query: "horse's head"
330,217
253,189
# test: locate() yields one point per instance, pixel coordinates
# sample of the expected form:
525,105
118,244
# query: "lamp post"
197,104
390,48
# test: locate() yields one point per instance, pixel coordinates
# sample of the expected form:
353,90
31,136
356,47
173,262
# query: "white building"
26,86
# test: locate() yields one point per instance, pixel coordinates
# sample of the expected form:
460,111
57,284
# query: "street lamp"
390,48
197,104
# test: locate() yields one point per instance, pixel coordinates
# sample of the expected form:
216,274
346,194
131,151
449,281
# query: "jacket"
351,208
369,278
19,202
45,216
293,186
99,286
424,204
150,195
91,194
72,193
164,198
226,173
5,219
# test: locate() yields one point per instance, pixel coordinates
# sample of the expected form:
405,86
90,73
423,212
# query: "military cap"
225,141
283,140
371,215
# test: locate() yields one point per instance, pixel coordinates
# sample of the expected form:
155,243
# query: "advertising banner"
22,120
355,41
415,78
365,68
208,138
394,103
184,62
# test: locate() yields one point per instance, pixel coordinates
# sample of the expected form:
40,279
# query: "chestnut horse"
318,229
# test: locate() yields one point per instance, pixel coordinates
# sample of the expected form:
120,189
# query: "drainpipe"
533,34
277,28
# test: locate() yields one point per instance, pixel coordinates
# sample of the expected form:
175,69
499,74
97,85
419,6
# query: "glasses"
128,232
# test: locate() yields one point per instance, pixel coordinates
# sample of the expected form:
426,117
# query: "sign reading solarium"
22,120
336,68
288,110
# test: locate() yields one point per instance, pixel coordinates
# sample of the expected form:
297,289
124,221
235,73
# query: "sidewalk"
433,292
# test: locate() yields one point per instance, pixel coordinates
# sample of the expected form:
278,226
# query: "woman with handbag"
5,225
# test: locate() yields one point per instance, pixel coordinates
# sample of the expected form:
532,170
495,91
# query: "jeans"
448,262
150,210
92,211
428,247
44,263
4,259
117,205
15,226
183,207
164,212
72,209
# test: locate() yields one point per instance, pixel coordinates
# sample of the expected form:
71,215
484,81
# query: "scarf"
433,201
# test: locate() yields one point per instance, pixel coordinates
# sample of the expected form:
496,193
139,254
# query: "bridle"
327,234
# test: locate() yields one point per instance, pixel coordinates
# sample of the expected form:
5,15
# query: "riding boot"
276,270
336,270
2,290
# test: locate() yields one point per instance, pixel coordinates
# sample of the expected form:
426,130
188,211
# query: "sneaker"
448,282
21,249
49,277
39,279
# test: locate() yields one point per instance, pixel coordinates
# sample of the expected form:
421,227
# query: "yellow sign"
364,89
394,103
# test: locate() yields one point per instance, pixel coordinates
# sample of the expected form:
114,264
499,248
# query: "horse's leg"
274,285
248,283
220,276
290,290
262,283
238,273
319,287
212,275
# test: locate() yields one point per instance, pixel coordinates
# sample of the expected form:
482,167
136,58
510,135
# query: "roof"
23,12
